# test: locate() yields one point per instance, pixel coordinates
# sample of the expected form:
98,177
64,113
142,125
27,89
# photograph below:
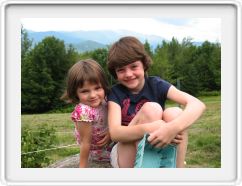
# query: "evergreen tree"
148,48
26,43
160,62
37,85
174,57
187,71
44,73
100,55
208,65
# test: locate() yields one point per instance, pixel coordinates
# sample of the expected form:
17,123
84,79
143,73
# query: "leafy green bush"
36,141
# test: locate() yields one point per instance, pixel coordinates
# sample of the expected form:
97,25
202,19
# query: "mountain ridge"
91,40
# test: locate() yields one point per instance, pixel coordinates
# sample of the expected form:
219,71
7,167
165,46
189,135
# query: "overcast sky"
199,29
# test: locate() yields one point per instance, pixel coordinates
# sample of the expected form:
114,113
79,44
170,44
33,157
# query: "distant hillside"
91,40
88,46
67,37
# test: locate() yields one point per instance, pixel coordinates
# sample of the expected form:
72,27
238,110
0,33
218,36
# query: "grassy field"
204,147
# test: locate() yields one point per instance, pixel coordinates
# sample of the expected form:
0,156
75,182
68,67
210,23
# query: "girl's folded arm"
193,108
126,133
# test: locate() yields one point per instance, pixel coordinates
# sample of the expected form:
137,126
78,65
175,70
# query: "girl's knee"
151,110
171,113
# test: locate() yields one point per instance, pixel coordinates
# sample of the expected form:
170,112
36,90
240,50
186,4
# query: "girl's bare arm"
192,111
85,131
127,133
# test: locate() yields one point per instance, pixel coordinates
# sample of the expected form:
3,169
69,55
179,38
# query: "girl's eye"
99,87
133,66
120,70
83,91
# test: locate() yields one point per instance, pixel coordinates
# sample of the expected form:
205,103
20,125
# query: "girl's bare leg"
126,154
168,115
127,151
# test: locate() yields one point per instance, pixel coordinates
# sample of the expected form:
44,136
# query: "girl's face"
132,76
91,94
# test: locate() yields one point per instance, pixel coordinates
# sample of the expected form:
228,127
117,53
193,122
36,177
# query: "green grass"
204,147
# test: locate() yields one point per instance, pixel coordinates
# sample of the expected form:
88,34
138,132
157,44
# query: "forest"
195,69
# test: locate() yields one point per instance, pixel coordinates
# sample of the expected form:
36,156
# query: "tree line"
44,66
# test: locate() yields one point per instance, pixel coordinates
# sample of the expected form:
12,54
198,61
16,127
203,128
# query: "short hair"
126,51
83,71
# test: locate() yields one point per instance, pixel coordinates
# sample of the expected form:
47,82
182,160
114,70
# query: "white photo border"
13,174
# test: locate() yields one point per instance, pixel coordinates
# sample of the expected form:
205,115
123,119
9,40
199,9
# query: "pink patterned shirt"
98,118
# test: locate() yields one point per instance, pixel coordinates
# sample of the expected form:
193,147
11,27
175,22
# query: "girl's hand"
163,136
105,140
178,139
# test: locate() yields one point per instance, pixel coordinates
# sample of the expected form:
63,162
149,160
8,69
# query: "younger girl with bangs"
87,88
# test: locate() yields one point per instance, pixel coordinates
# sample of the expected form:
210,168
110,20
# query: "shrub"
42,138
64,109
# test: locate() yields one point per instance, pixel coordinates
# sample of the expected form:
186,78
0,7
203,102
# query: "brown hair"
82,71
125,51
